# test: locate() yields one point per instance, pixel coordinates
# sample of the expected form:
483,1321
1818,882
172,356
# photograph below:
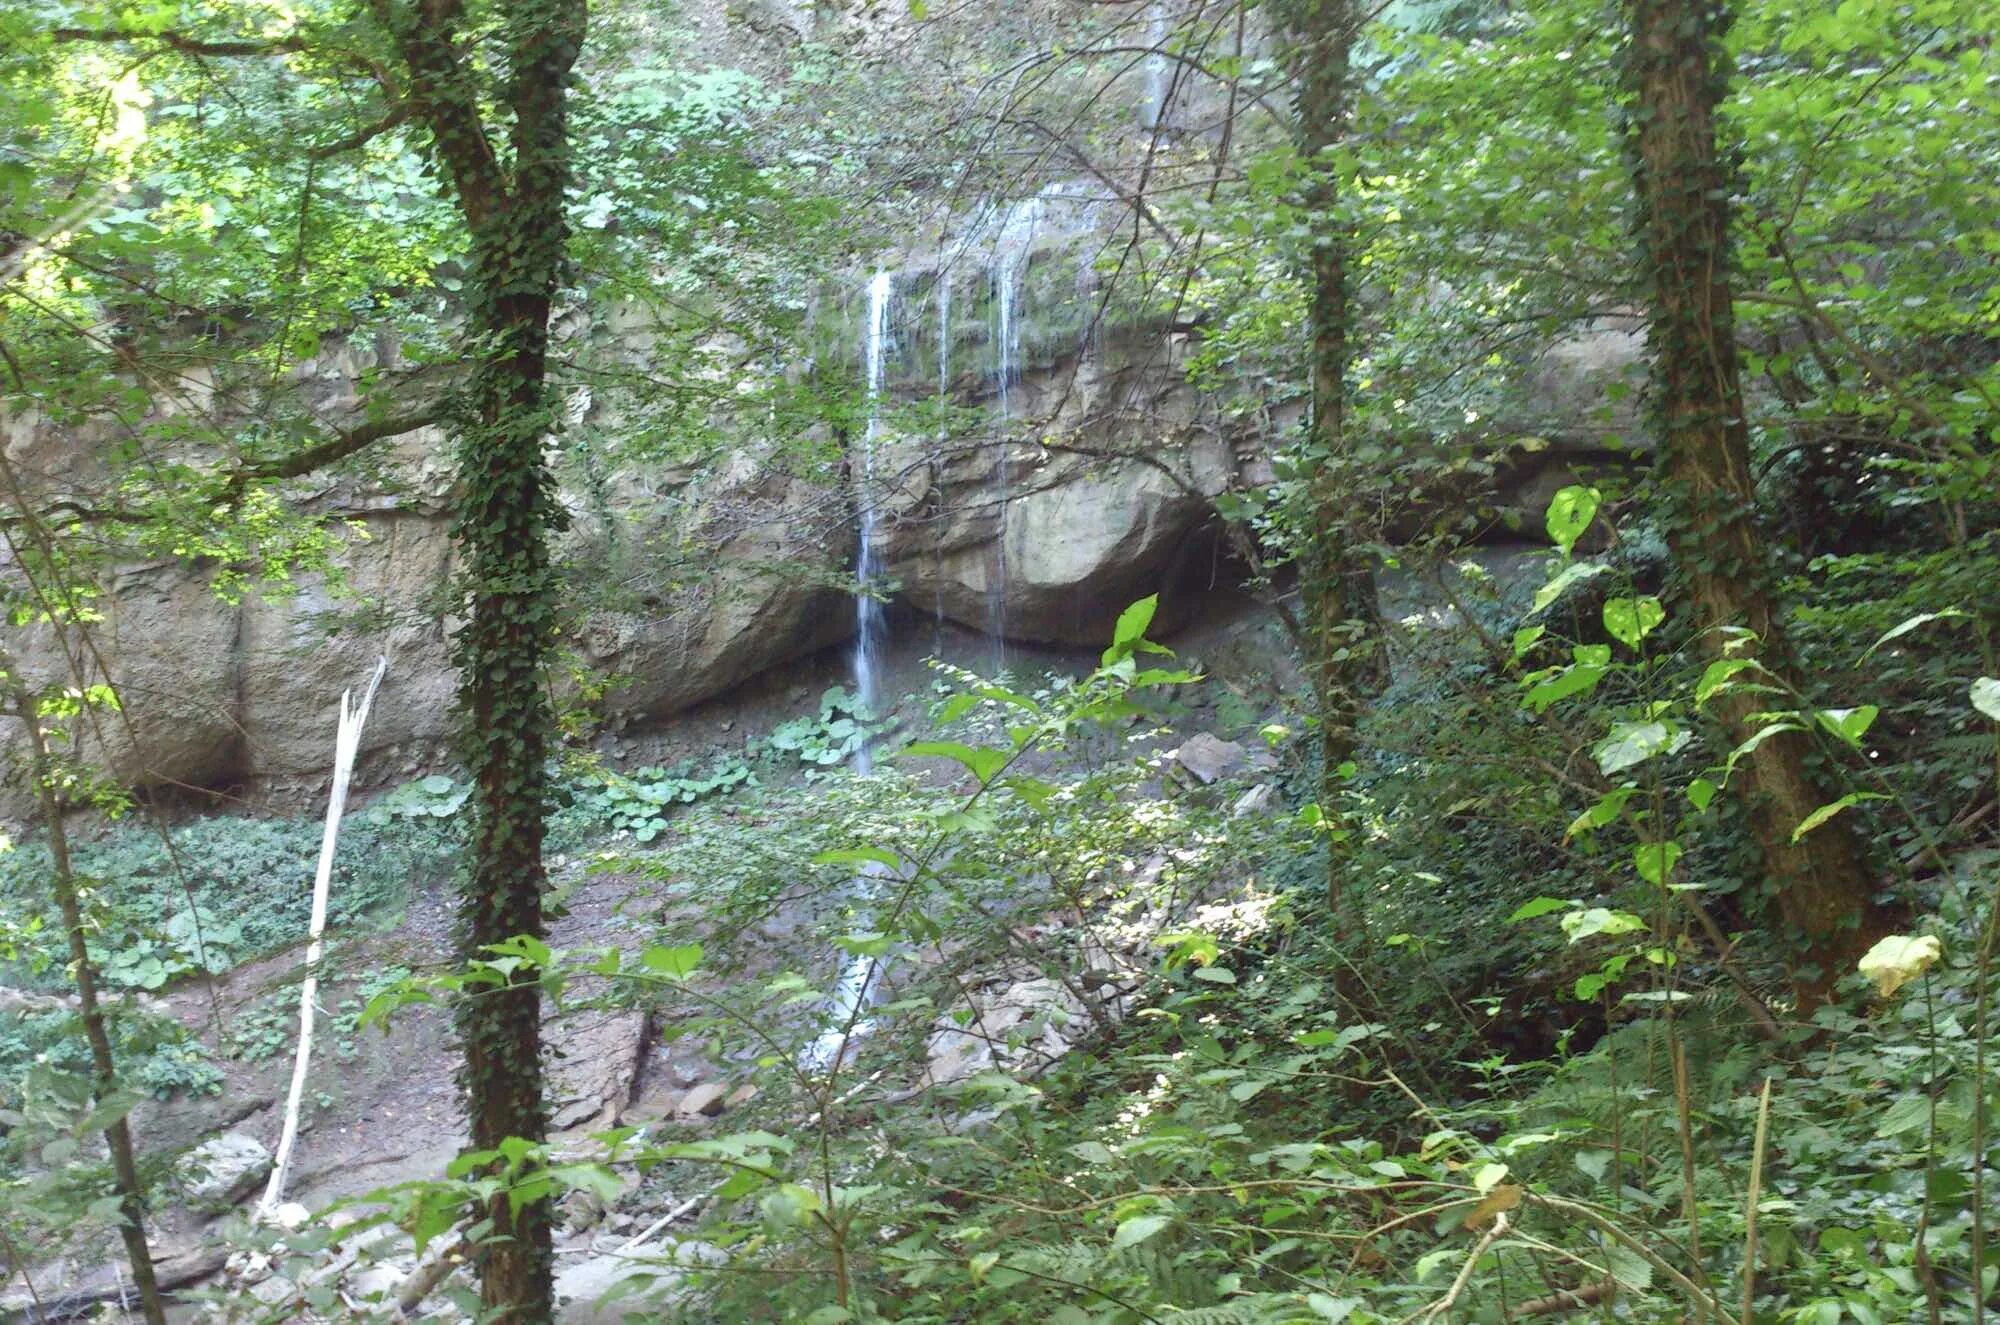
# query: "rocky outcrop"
1090,483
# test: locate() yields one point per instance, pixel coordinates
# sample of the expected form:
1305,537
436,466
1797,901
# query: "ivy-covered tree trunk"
1332,582
506,510
62,877
1678,73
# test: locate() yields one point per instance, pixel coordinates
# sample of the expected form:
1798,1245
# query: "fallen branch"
346,745
1569,1299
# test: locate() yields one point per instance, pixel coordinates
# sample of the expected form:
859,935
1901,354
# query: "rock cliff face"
1095,488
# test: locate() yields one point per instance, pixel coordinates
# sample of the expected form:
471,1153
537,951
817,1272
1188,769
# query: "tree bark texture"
1678,74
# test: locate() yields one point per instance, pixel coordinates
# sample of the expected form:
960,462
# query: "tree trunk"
506,510
117,1134
1678,74
1332,582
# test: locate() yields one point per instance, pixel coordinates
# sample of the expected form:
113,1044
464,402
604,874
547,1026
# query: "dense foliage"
1595,910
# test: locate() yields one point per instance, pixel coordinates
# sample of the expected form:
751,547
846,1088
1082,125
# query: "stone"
707,1100
742,1095
1258,800
644,1280
291,1216
1019,1029
1207,757
224,1169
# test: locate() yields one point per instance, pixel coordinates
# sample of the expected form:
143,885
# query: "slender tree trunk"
1678,75
117,1135
1333,583
506,509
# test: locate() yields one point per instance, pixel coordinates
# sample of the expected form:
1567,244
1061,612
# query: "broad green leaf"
859,856
1633,743
1655,861
1898,959
1570,513
1903,628
1630,620
1850,725
1540,906
675,963
1571,575
1589,923
1525,637
1718,674
1131,628
1332,1310
1700,792
1577,680
1986,697
982,760
1135,1231
1831,808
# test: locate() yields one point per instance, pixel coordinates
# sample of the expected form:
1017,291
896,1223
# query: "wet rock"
224,1169
1260,799
1207,757
1022,1029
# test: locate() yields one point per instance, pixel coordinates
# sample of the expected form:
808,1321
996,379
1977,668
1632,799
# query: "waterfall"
869,619
856,986
943,436
1010,263
1159,79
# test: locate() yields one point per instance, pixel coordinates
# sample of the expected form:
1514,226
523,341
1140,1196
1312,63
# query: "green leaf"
1633,743
1655,861
1906,1115
1630,620
1580,925
1571,575
1541,906
1831,808
1580,679
1570,513
1986,697
982,760
1700,792
1850,725
1525,637
859,856
1718,674
1131,628
1217,975
1135,1231
675,963
1903,628
1333,1310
